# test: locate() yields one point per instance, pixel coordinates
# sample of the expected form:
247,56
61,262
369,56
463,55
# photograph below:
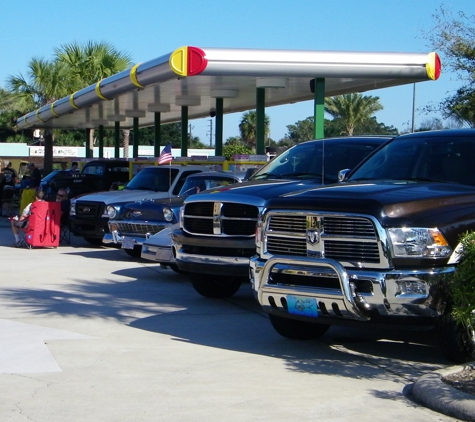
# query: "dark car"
133,223
217,235
95,176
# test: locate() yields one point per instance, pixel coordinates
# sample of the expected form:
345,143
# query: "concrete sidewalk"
87,334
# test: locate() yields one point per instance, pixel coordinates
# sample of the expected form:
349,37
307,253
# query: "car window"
181,181
437,159
156,179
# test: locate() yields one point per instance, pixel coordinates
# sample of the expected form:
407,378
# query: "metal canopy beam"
197,77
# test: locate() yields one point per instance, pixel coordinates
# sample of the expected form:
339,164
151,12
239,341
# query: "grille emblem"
313,237
86,209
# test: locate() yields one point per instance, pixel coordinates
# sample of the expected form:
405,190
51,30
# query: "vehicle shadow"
160,301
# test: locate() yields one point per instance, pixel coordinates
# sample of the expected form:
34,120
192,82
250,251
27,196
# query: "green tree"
45,81
353,109
248,128
302,130
454,38
235,147
91,62
88,64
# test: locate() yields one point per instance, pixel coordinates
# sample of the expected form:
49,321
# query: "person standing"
34,177
74,167
7,185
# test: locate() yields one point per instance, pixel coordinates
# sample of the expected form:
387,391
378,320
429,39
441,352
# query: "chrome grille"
137,228
89,209
343,238
220,219
288,223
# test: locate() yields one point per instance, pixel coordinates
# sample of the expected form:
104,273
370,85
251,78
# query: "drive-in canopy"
195,77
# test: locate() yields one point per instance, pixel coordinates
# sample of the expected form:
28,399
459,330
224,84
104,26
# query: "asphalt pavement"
89,334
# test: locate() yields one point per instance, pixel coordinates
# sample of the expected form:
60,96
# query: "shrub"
463,284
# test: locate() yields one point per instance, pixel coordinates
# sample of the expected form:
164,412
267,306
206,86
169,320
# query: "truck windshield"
319,160
440,159
158,179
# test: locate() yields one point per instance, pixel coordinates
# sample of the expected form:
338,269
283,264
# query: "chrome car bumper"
348,293
115,237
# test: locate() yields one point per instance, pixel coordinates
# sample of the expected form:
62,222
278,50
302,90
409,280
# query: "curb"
432,392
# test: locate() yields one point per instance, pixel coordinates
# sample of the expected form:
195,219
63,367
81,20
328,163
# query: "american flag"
166,155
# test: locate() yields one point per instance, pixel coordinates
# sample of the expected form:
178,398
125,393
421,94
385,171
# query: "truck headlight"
72,209
168,214
418,243
111,211
182,216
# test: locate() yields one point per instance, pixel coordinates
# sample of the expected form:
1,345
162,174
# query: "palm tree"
92,62
352,109
45,82
248,126
89,64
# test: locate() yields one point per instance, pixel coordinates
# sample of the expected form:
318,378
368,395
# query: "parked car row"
343,231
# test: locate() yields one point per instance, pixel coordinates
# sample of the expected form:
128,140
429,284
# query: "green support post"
135,150
260,116
100,135
157,139
89,151
184,131
218,137
117,139
319,108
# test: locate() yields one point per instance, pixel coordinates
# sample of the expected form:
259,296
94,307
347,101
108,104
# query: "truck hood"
121,196
252,192
388,201
149,210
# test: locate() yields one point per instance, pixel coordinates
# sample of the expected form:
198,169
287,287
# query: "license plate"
302,305
128,243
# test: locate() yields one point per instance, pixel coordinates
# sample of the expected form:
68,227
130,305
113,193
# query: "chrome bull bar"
327,298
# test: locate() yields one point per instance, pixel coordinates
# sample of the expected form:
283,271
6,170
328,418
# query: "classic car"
135,222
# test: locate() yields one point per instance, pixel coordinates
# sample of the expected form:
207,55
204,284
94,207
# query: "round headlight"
168,214
111,211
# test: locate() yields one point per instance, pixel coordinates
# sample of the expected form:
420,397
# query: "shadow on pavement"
160,301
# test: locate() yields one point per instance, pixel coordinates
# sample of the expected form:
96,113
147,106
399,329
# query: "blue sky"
149,29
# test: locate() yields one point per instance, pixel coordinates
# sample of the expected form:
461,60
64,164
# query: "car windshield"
196,184
320,160
158,179
440,159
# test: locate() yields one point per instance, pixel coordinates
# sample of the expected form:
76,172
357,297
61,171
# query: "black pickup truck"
95,176
381,247
216,238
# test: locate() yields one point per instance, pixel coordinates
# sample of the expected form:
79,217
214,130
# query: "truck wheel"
456,342
297,330
214,286
134,253
174,268
93,240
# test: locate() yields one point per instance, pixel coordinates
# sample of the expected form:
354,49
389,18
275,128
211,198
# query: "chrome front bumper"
115,237
392,293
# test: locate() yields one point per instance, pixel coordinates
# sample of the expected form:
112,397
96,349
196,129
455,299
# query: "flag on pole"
166,155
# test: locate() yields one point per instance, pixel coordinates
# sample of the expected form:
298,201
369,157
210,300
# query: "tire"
214,286
456,342
93,240
297,330
134,253
174,268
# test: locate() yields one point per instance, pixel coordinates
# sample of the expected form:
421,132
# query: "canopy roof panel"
195,77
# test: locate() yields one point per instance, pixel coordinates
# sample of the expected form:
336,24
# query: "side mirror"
342,174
